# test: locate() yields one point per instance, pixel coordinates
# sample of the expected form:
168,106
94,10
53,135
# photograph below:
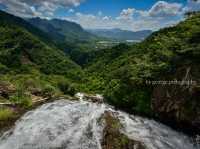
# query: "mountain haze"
121,35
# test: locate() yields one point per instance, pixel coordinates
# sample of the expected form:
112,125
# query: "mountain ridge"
12,19
121,35
21,41
62,30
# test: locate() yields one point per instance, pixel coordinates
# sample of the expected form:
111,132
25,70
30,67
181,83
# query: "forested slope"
170,54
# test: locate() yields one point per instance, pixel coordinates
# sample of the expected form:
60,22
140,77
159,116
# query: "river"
65,124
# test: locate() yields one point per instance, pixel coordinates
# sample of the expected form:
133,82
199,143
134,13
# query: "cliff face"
179,104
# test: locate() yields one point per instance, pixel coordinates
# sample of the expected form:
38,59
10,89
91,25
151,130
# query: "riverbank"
15,111
10,112
83,124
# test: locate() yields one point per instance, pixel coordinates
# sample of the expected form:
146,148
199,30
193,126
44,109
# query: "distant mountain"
9,19
62,30
119,34
21,45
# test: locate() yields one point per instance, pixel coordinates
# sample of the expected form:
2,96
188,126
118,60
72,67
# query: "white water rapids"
66,124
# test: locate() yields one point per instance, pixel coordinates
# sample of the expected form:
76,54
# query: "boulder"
90,97
6,89
113,138
94,98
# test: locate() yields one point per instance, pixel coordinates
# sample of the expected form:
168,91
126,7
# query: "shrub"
66,88
22,98
129,98
6,114
49,91
26,102
31,84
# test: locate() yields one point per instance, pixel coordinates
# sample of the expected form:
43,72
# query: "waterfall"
67,124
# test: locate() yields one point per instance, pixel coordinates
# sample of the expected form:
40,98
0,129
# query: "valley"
53,60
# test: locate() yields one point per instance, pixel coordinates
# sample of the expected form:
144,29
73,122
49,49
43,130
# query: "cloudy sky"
125,14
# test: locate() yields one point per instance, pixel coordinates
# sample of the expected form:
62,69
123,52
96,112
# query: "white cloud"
127,23
71,10
126,13
41,8
20,9
192,5
161,14
159,9
92,21
106,18
163,9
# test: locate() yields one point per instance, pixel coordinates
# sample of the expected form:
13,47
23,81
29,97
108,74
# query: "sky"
106,14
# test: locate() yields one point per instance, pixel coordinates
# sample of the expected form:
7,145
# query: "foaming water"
75,125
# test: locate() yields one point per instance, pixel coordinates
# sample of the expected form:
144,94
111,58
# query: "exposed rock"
89,97
94,98
6,89
113,138
36,91
179,105
25,59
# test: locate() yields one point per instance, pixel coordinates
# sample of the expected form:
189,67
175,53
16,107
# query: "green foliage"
128,97
22,50
21,97
32,65
3,69
30,61
8,20
63,31
6,114
66,88
49,90
125,69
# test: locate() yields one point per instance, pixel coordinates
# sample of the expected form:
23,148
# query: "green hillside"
28,66
19,48
68,36
62,30
9,19
170,54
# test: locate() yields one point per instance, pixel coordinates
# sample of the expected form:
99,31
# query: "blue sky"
114,7
124,14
